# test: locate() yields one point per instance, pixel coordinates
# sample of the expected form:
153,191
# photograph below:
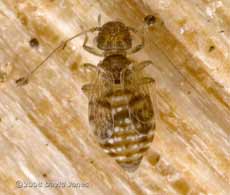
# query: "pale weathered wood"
44,130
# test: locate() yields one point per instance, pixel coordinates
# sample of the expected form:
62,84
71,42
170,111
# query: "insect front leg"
139,46
91,50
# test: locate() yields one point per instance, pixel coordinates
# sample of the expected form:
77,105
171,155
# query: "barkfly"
121,104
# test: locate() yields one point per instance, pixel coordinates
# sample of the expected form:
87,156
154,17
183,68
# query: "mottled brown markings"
145,128
121,115
91,161
128,152
211,48
181,186
203,78
22,81
74,67
113,97
142,108
127,142
136,160
23,18
153,158
115,64
199,74
34,43
6,68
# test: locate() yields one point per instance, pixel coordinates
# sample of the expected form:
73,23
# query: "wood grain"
44,130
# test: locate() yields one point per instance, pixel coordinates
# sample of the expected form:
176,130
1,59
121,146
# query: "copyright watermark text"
50,184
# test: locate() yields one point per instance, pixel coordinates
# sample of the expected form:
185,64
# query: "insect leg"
89,67
139,46
24,80
135,68
140,66
91,50
146,80
89,70
87,89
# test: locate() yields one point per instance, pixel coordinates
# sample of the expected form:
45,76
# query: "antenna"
24,80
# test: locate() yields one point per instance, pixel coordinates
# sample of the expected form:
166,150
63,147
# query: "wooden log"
45,135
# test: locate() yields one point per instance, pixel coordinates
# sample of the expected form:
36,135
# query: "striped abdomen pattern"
131,133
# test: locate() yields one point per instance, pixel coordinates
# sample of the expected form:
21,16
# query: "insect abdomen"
130,139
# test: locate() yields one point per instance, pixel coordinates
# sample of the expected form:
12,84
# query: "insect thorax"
114,65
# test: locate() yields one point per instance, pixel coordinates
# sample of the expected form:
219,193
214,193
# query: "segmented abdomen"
130,137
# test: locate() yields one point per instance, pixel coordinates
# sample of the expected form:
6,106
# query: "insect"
121,104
